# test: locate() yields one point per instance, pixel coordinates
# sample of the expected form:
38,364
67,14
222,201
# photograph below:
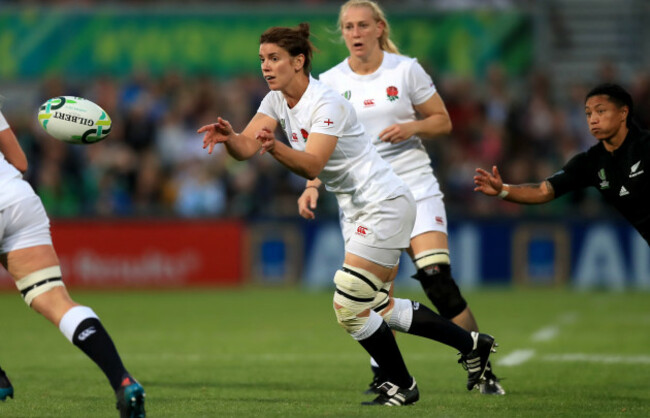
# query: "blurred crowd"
153,164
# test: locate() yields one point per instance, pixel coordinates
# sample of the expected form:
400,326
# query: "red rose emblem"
392,93
304,133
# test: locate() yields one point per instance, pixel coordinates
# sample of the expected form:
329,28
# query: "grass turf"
279,352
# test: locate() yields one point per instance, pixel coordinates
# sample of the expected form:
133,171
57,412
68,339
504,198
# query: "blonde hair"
378,14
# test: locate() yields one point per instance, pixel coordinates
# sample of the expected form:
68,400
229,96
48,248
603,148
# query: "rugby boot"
393,395
377,380
476,361
490,383
5,386
130,399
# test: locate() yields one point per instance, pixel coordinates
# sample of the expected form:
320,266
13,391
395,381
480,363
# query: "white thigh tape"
427,258
39,282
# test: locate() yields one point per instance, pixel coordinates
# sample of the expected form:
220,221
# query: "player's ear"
298,62
381,25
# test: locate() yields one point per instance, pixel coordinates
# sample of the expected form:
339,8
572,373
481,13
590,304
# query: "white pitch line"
597,358
516,358
545,334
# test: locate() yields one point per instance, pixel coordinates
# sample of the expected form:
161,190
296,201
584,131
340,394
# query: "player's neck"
366,65
294,91
615,142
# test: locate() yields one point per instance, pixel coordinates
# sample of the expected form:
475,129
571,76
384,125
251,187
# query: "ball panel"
74,120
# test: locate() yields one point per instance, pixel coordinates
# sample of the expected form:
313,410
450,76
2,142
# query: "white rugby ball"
74,120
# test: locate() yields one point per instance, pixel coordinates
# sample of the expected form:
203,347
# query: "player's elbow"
448,127
311,174
444,126
22,166
20,162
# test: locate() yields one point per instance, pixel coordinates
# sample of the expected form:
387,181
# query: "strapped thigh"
39,282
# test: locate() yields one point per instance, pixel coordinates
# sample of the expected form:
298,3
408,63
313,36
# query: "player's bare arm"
435,122
240,146
491,184
308,163
12,151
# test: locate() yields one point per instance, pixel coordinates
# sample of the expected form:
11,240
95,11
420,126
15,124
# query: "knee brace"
434,273
356,292
39,282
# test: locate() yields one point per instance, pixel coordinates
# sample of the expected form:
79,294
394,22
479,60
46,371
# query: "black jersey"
622,177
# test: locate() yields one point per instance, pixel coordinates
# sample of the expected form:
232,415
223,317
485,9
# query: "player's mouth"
269,78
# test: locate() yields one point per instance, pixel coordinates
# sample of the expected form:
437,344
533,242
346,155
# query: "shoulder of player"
398,61
642,135
273,98
333,72
321,94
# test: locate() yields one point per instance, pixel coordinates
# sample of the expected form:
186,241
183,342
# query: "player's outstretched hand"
215,133
486,183
307,203
266,140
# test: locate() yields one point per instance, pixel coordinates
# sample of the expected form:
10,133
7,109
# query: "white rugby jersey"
387,97
12,186
355,172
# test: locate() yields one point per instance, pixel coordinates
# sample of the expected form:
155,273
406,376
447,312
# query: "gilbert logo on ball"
74,120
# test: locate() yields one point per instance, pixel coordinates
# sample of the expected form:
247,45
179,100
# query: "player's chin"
272,85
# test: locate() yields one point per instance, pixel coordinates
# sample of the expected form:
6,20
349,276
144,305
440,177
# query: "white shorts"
24,224
382,231
431,216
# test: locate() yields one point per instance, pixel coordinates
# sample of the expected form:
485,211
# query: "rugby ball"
74,120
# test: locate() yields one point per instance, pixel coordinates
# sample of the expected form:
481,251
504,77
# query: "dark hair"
617,95
293,40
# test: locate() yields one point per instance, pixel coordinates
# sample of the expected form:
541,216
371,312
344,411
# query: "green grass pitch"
279,353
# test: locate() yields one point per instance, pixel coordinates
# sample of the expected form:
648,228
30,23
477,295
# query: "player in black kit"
616,165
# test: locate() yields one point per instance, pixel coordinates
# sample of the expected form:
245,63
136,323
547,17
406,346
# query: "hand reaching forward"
266,140
216,133
486,183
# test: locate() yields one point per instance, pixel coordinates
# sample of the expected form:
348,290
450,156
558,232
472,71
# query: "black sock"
91,337
429,324
383,348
